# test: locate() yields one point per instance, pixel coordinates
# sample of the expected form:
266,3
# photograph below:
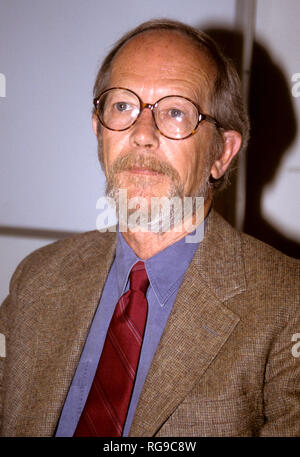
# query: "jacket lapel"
198,326
56,348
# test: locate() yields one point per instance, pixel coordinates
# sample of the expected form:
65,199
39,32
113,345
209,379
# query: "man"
208,350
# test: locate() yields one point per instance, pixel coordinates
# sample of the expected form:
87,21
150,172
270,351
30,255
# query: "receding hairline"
200,47
189,34
162,37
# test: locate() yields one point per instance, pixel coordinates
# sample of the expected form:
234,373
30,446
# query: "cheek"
186,160
196,158
112,145
202,150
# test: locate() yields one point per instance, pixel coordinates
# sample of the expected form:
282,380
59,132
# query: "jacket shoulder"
255,252
268,261
66,257
267,271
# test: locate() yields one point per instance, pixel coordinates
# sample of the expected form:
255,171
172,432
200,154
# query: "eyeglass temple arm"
206,117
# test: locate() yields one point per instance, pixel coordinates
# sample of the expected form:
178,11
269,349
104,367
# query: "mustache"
138,160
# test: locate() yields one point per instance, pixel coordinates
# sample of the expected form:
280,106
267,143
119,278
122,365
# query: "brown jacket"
224,365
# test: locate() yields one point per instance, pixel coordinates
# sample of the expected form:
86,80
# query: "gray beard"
161,220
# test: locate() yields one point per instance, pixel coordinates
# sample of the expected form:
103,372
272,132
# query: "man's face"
141,159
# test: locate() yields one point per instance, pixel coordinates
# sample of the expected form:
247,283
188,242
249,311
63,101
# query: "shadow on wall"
273,129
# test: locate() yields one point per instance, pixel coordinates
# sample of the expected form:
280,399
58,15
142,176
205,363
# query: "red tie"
105,411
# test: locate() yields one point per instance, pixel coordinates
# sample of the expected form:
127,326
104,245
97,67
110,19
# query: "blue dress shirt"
165,272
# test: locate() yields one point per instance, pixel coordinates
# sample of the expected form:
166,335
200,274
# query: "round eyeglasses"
176,117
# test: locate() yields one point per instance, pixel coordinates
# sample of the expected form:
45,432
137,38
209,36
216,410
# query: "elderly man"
139,332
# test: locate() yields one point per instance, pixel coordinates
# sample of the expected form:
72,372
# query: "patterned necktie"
105,411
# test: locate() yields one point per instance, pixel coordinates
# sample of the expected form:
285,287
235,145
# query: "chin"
145,186
147,192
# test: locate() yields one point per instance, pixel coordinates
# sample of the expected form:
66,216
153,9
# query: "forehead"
165,61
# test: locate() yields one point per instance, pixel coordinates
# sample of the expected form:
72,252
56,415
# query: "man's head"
162,59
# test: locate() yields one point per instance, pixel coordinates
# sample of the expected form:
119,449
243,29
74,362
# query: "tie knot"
139,278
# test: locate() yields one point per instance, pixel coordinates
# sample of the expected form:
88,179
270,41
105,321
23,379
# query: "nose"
144,132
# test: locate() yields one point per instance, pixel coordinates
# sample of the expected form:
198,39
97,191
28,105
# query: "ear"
232,144
95,124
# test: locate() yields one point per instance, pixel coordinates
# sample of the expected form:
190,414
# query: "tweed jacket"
225,365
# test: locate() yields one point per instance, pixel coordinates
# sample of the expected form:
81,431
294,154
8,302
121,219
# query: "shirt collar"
165,269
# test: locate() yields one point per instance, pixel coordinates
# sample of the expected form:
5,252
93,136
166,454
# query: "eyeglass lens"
175,116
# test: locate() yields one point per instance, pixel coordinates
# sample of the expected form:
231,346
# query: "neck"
147,244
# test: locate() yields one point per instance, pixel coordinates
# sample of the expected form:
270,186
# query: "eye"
176,113
122,106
